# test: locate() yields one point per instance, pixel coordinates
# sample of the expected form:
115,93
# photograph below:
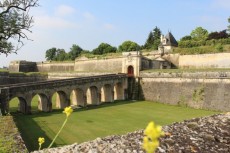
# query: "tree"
199,34
75,51
127,46
153,39
104,48
51,54
61,55
218,35
186,38
150,41
15,21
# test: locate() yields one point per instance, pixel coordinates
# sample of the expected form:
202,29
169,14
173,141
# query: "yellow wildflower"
150,141
40,141
68,111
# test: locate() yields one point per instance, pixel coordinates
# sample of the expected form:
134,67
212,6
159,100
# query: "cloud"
88,16
53,22
109,26
64,10
221,4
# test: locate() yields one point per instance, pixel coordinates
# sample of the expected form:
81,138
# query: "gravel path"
199,135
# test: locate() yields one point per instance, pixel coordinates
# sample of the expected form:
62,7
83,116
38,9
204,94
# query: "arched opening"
17,104
118,91
77,97
40,103
92,96
130,71
107,93
60,100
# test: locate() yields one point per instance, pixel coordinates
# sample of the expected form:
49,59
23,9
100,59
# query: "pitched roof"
170,40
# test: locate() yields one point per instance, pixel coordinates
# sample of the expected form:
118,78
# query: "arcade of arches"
93,95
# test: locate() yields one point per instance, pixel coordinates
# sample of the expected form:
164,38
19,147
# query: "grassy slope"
90,123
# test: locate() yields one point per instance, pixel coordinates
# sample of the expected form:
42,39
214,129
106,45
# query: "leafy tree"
61,55
75,51
186,38
127,46
51,54
14,22
218,35
199,34
104,48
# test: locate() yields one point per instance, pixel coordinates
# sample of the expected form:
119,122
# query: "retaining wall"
207,93
103,65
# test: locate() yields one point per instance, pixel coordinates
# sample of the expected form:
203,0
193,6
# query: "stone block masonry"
201,93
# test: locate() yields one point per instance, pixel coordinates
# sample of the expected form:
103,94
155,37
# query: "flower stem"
58,132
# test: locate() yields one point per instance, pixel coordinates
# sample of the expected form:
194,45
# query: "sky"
87,23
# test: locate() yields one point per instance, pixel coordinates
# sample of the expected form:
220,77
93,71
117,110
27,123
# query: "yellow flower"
150,141
41,140
68,111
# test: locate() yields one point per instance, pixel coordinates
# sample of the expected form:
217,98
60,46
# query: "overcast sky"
87,23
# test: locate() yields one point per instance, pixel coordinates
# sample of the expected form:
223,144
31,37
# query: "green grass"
100,121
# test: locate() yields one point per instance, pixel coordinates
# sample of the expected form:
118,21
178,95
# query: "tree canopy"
15,21
153,39
199,34
104,48
74,52
127,46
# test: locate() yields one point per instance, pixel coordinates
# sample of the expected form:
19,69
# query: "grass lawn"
100,121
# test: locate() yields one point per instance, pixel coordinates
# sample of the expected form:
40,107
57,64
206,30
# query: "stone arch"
130,71
43,102
107,94
78,97
61,100
118,91
92,95
22,104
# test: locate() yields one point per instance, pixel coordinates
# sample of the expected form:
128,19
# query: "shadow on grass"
30,129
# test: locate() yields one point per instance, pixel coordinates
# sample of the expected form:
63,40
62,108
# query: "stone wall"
103,65
22,66
219,60
55,66
23,78
4,78
207,93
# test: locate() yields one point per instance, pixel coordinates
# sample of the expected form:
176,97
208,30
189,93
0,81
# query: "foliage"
61,55
74,52
150,41
193,43
153,39
104,48
127,46
51,54
15,21
186,38
218,35
199,34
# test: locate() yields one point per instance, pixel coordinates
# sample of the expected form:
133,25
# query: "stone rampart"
113,65
198,92
55,66
219,60
4,78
